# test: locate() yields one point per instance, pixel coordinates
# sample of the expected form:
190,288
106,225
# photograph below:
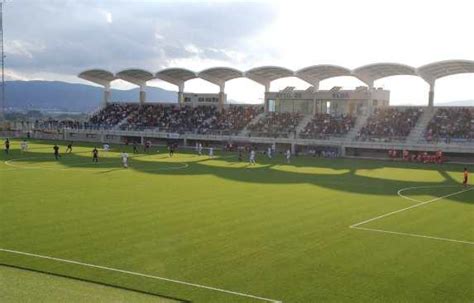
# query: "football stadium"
313,196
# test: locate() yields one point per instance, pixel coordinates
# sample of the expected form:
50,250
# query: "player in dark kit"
466,177
69,148
56,152
135,149
95,155
171,150
7,146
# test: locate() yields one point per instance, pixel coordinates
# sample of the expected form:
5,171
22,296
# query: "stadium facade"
357,122
266,74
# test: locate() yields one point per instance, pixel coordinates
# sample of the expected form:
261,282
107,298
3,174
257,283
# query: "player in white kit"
211,152
24,146
124,156
269,153
288,155
252,157
106,147
200,149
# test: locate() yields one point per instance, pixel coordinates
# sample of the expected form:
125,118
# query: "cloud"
76,35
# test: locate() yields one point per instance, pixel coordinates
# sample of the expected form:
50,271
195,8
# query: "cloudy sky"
57,39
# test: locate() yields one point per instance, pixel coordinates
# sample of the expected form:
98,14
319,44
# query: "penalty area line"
413,235
409,207
139,274
357,225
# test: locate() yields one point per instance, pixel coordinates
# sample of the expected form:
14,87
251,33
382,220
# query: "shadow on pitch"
337,174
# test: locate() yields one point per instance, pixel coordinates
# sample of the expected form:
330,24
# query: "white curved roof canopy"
370,73
135,76
316,73
436,70
266,74
98,76
176,76
219,75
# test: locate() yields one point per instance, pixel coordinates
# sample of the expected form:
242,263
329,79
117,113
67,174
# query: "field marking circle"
11,164
400,191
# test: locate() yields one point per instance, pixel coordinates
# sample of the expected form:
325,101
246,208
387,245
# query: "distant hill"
62,96
456,103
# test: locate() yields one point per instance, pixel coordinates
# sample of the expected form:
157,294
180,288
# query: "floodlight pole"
2,111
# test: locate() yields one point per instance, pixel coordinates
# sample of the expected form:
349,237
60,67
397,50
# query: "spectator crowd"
451,124
388,124
322,126
276,125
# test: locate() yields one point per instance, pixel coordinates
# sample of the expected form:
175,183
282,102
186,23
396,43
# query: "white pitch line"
73,165
414,235
399,192
410,207
139,274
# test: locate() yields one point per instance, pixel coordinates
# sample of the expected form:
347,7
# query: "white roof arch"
316,73
98,76
220,75
266,74
370,73
135,75
176,76
431,72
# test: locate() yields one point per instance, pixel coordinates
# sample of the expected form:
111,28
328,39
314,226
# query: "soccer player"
69,148
135,149
466,176
252,157
269,153
171,150
211,152
106,147
240,154
24,146
95,155
124,156
56,152
200,149
288,155
7,146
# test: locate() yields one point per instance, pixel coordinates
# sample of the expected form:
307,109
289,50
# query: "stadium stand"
276,125
112,114
323,126
451,124
390,124
186,119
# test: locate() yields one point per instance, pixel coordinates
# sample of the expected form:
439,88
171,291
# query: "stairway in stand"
360,122
417,133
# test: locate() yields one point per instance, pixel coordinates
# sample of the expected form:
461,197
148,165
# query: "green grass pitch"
264,233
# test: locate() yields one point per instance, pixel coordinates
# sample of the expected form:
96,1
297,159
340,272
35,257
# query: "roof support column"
431,94
142,94
266,105
107,95
181,93
370,101
222,96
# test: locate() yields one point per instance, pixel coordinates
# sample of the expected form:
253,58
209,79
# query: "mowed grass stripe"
278,234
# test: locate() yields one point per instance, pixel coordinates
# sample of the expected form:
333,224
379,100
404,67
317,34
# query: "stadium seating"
323,126
276,125
451,124
200,120
112,114
389,124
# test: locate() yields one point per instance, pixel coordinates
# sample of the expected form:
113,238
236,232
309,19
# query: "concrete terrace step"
416,134
245,131
301,126
361,121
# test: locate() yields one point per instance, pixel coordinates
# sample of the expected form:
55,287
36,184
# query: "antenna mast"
2,113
